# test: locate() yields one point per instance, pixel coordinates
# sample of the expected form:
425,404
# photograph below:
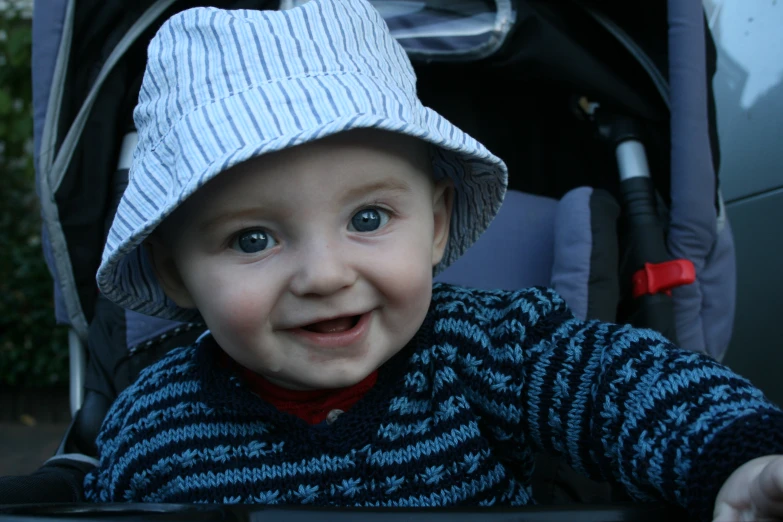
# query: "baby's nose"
322,270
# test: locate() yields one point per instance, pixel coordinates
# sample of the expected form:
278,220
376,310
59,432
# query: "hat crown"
212,54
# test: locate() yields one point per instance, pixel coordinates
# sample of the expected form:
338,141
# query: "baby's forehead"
355,145
348,160
359,153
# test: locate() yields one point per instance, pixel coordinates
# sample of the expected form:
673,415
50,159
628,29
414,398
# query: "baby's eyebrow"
389,185
228,217
384,185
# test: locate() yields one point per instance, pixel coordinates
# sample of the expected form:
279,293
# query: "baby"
290,190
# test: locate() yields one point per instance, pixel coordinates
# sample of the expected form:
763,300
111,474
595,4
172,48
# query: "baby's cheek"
406,280
239,318
245,308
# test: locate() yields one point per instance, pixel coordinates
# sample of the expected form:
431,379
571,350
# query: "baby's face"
312,266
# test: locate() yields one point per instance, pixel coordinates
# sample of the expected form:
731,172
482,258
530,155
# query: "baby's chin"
321,384
323,378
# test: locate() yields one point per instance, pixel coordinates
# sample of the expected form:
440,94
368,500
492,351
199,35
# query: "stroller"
609,138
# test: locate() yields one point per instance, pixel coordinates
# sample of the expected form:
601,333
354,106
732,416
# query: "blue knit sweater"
453,419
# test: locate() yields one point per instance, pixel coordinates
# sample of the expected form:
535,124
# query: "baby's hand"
753,492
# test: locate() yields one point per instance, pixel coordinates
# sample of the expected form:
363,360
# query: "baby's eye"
368,220
253,241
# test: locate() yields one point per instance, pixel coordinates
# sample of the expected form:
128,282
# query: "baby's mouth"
338,325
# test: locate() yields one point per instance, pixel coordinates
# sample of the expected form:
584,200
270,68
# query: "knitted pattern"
454,418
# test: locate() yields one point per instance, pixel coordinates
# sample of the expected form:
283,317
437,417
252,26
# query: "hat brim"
166,173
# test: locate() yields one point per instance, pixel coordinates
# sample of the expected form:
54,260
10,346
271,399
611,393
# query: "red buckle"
662,277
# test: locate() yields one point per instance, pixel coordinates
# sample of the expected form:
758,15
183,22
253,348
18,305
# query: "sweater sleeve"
625,404
620,403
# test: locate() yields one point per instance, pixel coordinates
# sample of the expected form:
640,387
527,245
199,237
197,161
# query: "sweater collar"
226,391
312,406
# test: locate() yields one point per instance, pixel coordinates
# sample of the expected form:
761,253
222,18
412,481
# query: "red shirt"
312,406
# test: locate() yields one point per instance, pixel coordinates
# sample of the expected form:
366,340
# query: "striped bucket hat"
222,87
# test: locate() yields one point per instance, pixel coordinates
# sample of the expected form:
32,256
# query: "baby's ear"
442,202
167,273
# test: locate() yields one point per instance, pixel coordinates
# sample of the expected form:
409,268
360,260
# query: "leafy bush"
33,350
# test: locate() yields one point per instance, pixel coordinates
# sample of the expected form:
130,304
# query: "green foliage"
33,351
